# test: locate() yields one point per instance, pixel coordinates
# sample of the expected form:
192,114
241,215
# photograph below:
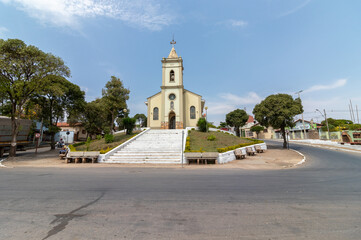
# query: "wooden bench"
82,157
202,158
240,153
250,151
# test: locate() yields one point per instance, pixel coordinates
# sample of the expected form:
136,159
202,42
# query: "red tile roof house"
80,133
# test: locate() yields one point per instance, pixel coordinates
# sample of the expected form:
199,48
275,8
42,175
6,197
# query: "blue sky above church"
235,53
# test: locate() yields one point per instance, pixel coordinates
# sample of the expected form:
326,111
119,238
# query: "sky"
235,52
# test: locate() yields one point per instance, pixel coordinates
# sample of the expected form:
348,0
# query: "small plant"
99,137
72,148
109,138
202,125
102,151
88,141
193,129
211,138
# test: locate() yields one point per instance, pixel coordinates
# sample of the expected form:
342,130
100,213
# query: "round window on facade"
171,96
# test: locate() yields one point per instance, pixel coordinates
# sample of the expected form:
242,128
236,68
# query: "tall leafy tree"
278,111
58,98
237,119
114,99
94,117
24,71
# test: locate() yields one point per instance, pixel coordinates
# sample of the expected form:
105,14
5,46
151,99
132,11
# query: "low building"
77,129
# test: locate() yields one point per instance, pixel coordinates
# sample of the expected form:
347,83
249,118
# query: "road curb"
302,161
2,165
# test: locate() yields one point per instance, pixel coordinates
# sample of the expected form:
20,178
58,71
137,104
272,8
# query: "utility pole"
353,114
325,116
358,120
303,121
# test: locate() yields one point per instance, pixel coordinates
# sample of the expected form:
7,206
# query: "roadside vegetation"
101,145
215,141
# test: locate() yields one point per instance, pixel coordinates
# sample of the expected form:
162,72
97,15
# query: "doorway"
172,122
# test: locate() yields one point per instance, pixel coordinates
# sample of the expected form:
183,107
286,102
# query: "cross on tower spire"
173,42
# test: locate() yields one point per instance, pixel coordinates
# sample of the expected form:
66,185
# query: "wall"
155,101
191,99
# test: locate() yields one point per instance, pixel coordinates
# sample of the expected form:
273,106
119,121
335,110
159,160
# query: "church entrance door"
172,120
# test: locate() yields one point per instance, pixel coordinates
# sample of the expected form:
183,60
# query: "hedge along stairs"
154,146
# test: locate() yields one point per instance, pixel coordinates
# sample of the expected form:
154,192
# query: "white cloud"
3,30
227,102
68,13
234,23
299,7
336,84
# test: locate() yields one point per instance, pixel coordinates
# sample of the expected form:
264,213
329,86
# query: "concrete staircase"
154,146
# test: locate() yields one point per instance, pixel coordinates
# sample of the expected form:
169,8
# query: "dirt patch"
271,159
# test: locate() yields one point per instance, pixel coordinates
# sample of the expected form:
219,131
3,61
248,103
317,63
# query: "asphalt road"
320,200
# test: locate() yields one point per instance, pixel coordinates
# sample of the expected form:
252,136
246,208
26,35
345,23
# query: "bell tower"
172,90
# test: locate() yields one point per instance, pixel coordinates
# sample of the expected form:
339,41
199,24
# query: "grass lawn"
97,145
199,140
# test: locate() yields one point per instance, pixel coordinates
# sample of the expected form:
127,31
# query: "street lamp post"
325,116
125,112
303,121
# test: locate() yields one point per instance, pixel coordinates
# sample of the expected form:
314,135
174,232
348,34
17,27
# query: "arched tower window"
155,113
193,112
171,76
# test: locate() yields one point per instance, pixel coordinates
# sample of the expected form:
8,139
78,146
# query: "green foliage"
129,124
88,141
24,71
278,111
77,144
222,124
99,137
72,148
226,149
211,138
142,119
114,98
109,138
202,124
95,117
210,125
257,129
102,151
237,119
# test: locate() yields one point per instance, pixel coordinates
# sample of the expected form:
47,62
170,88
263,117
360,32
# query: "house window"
265,130
193,112
171,76
155,113
83,131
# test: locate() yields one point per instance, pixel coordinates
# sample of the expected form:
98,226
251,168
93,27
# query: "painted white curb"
302,161
2,165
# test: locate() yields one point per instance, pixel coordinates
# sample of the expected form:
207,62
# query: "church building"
173,107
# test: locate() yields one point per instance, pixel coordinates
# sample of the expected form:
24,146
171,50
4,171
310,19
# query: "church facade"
173,107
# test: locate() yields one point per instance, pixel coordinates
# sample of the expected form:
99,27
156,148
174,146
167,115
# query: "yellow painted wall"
155,101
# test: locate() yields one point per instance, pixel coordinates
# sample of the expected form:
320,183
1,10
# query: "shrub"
78,144
88,140
109,138
202,125
105,151
129,124
193,129
99,137
72,148
211,138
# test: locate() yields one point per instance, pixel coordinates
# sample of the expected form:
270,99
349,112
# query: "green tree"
237,119
129,124
278,111
222,125
257,129
114,99
142,119
24,71
202,124
94,117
